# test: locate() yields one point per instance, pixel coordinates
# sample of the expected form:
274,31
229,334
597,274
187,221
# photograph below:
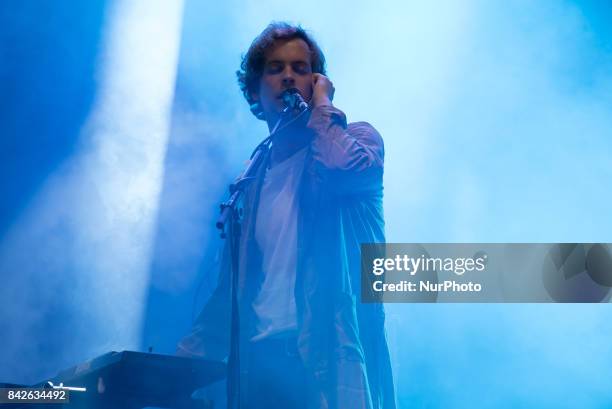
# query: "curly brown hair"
252,65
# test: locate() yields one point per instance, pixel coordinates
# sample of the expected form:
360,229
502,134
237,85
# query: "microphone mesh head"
292,98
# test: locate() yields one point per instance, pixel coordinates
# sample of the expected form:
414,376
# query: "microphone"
293,100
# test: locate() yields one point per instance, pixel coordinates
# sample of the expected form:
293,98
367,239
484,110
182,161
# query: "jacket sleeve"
349,158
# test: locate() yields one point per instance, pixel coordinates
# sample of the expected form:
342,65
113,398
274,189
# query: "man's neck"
288,142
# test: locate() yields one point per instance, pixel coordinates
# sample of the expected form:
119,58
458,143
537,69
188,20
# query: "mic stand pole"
230,217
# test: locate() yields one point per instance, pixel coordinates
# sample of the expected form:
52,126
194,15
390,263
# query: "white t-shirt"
276,235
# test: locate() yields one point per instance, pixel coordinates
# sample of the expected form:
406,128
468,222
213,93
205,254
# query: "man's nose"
288,78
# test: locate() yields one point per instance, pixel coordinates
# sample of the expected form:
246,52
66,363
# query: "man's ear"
256,107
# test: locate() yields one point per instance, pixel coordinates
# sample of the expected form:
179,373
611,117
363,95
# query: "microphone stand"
229,221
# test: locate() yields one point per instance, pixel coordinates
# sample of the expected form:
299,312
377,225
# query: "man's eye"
274,69
302,69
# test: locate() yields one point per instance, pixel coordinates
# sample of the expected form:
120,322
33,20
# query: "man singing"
305,339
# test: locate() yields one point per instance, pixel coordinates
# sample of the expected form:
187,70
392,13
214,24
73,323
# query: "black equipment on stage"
133,380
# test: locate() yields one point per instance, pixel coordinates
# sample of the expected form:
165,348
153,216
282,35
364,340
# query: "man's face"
288,65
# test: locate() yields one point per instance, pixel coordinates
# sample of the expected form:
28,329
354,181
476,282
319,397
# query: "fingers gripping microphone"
293,100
